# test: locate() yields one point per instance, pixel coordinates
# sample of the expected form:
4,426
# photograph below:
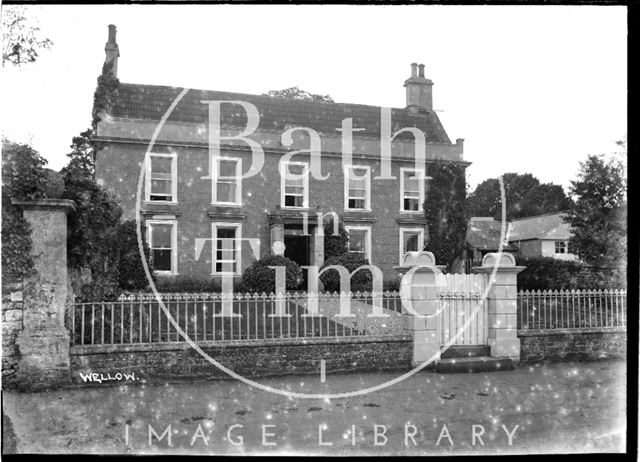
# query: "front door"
297,249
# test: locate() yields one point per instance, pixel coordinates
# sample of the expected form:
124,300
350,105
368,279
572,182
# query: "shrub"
361,281
545,273
187,284
131,274
335,245
260,278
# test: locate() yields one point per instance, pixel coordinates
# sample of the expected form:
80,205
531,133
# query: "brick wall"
581,345
157,361
12,307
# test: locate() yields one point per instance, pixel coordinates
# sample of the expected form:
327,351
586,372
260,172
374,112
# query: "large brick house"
192,221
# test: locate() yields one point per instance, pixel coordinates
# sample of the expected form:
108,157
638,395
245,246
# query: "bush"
131,274
545,273
361,281
260,278
334,246
187,284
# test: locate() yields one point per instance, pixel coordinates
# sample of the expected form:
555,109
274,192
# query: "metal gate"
459,296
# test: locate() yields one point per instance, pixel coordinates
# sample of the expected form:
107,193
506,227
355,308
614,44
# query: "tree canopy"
297,93
598,217
21,41
525,196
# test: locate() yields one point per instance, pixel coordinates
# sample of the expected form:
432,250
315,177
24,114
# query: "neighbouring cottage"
201,225
538,236
543,236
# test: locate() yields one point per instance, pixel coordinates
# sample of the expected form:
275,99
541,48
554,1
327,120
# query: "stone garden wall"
579,345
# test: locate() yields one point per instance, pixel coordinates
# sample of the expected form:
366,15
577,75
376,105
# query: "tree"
598,217
82,158
296,93
445,214
524,194
21,41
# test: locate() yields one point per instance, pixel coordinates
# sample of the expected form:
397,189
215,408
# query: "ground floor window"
226,247
561,247
162,239
411,240
360,240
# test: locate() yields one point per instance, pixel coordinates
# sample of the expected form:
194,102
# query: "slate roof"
138,101
483,233
549,226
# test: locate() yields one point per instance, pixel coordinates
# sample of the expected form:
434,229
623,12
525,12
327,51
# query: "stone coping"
578,331
79,350
66,205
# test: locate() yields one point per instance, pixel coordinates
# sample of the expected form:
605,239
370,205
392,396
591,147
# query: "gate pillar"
43,342
419,290
500,271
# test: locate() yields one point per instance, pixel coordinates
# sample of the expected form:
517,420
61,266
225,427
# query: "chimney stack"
112,51
419,88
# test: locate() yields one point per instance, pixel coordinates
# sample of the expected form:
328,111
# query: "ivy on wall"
445,213
105,94
23,177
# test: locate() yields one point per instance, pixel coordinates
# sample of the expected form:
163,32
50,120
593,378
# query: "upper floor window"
357,195
162,238
227,186
561,247
411,240
161,178
360,240
294,184
226,239
411,190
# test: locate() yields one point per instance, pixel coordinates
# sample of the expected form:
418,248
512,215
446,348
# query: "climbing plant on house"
445,213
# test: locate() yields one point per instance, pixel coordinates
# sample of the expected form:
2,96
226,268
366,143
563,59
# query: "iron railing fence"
572,309
214,317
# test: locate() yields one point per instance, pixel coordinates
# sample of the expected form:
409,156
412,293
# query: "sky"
531,89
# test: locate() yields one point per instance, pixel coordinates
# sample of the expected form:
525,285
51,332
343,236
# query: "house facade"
206,215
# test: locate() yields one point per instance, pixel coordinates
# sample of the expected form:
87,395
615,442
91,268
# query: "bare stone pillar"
421,290
502,303
44,340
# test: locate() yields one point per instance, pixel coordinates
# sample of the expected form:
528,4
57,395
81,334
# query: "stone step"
466,351
474,364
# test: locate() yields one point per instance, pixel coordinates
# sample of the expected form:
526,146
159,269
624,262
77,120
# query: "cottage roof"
136,101
483,233
548,226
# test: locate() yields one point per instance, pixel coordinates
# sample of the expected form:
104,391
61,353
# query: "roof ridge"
560,212
268,97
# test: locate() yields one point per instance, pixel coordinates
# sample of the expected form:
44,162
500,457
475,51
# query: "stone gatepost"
502,303
43,342
421,291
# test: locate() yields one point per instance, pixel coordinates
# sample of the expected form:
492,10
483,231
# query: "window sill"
148,202
225,204
358,210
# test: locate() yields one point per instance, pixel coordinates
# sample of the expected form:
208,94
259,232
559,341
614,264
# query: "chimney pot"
419,89
112,33
112,51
